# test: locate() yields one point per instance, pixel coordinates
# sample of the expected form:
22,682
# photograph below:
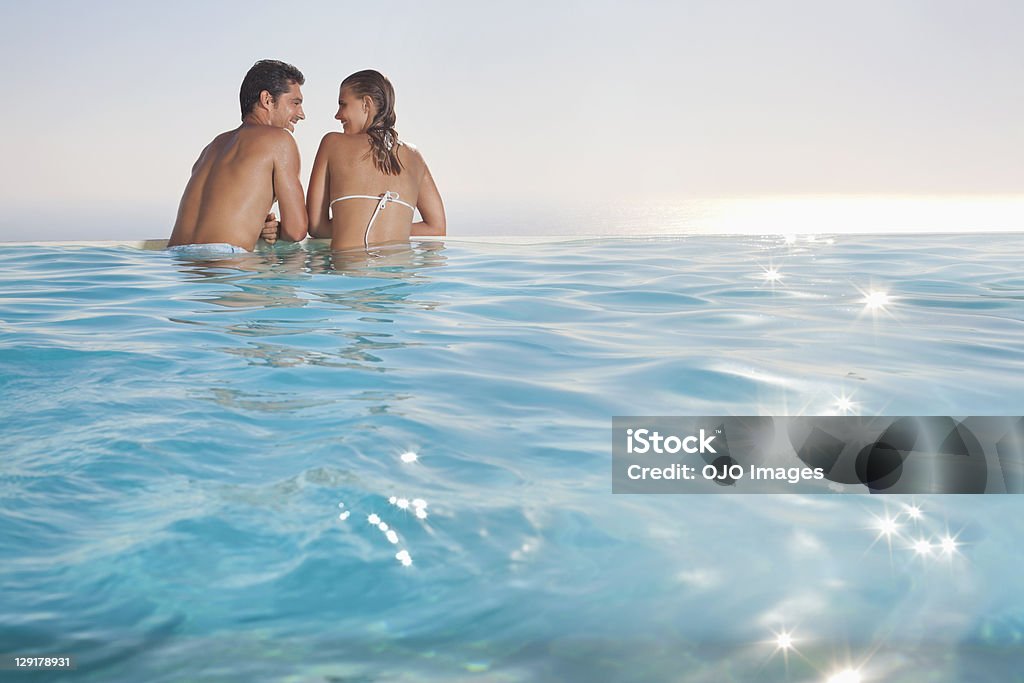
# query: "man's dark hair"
271,75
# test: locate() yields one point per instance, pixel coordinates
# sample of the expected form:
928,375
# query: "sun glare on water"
839,214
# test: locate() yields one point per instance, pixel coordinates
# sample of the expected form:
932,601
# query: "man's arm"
288,189
431,209
316,200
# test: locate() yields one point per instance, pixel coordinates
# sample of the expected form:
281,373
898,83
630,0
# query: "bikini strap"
382,202
386,197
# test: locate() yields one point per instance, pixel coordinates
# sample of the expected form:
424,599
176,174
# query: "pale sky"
521,103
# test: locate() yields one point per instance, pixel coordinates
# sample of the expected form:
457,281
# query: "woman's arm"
431,209
316,198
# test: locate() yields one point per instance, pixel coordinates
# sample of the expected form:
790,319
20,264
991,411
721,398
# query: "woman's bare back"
351,173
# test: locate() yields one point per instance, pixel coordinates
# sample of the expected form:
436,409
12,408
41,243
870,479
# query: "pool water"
183,438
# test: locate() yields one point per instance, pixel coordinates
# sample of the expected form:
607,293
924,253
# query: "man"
239,174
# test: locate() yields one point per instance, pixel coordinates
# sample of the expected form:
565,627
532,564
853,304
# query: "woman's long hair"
383,137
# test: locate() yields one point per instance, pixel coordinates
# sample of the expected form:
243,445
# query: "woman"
366,183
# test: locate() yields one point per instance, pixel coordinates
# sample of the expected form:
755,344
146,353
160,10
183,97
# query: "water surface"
179,435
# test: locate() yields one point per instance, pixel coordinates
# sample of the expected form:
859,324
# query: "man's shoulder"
271,135
269,142
222,139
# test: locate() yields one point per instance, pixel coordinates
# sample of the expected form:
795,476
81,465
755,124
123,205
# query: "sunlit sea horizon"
573,216
754,215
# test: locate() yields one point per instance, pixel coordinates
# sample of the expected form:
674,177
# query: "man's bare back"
238,176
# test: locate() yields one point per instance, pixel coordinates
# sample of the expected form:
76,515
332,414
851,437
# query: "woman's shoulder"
338,145
332,138
410,149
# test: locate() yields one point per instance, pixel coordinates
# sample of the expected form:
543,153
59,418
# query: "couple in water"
363,190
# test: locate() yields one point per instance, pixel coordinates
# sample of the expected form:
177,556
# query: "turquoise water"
178,436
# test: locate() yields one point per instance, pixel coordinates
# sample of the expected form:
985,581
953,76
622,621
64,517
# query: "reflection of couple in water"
363,191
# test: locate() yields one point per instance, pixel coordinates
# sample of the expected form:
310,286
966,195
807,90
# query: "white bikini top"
382,202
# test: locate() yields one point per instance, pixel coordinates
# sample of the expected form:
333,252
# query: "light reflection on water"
186,430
